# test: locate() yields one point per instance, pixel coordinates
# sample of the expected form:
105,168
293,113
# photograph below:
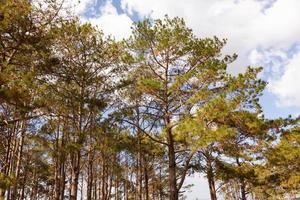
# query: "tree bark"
242,183
146,183
140,167
172,162
57,166
8,160
211,183
90,177
19,160
62,179
243,190
75,176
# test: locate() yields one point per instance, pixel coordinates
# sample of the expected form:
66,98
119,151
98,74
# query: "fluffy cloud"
105,17
282,71
287,86
273,60
111,22
247,24
260,31
79,7
237,20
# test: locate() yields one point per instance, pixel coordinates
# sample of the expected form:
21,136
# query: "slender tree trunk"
146,182
94,191
62,169
62,180
75,176
103,181
34,184
57,167
211,184
13,152
7,162
117,188
126,180
210,176
106,183
243,190
81,188
110,187
140,167
57,180
19,160
23,186
242,184
172,171
161,191
90,177
75,158
172,161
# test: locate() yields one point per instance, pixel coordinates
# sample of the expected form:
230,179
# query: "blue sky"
262,32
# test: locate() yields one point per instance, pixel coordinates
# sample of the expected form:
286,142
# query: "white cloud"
287,86
273,60
260,31
111,22
282,73
106,17
74,7
247,23
79,7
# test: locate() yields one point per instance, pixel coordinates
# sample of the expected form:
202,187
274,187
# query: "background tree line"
83,116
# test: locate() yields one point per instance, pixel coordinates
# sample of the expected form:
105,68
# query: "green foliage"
281,172
77,103
5,181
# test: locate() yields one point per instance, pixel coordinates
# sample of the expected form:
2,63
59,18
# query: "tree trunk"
103,181
62,180
140,167
146,182
212,190
23,187
243,190
57,167
57,180
62,170
242,182
75,176
19,160
161,190
8,160
172,167
34,185
211,184
90,177
172,160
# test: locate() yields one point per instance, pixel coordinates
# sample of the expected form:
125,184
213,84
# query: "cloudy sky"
262,32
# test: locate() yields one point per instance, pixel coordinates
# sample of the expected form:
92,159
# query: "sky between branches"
262,32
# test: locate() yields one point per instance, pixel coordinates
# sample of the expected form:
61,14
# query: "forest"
83,116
